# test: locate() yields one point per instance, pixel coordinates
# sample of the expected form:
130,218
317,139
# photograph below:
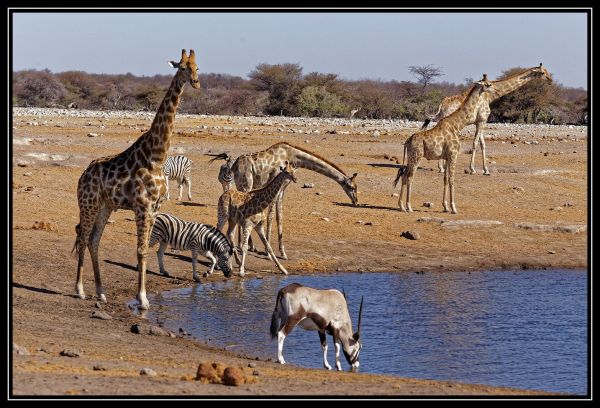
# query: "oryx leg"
323,339
280,340
338,365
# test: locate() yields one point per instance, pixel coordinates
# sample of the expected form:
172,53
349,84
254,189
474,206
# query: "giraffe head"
188,68
484,85
542,72
349,186
288,171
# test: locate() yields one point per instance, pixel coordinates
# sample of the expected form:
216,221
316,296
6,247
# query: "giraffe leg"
144,222
261,234
445,199
245,232
451,168
486,170
167,184
93,245
409,178
279,213
84,229
401,195
230,231
475,143
441,165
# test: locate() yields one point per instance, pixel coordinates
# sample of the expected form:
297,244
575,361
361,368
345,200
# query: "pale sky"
354,45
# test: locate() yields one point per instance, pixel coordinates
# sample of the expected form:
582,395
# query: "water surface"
523,329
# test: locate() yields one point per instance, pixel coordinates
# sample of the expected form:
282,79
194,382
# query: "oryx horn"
360,314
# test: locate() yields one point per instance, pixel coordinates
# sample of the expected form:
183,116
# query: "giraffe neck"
309,161
506,86
159,135
464,114
266,195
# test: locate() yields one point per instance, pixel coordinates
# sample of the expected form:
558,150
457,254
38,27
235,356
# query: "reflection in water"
525,329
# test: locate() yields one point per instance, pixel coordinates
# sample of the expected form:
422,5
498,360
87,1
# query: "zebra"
225,174
178,168
199,238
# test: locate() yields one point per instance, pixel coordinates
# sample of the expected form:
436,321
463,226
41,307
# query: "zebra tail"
278,318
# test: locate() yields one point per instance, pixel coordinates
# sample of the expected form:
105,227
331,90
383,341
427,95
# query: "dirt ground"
536,197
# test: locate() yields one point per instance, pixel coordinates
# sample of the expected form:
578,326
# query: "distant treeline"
283,89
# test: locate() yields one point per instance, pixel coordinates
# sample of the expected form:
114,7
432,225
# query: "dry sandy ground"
537,197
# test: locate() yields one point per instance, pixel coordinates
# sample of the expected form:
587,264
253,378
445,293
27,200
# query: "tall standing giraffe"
132,180
247,210
255,170
481,112
440,142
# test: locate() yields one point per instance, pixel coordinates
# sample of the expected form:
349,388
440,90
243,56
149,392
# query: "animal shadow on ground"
134,268
369,206
395,166
191,204
34,289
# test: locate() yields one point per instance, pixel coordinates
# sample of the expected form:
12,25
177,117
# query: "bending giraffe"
255,170
481,112
132,180
440,142
248,211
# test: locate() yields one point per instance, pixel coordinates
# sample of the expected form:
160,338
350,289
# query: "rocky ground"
531,212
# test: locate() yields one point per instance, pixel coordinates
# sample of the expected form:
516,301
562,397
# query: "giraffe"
254,170
248,211
131,180
440,142
482,110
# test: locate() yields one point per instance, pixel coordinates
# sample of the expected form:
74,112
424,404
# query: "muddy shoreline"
531,213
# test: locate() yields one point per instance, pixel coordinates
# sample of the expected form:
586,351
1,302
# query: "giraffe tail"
403,168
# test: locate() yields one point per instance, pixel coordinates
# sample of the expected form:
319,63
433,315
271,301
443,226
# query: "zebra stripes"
199,238
226,176
178,168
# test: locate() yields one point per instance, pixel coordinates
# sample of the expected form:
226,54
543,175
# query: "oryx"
314,309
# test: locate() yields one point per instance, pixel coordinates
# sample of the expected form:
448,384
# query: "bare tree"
425,74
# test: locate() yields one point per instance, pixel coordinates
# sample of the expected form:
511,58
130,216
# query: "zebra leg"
213,261
93,245
188,181
194,264
323,339
261,233
180,184
160,255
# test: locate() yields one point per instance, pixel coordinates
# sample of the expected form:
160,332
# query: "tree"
283,84
425,74
317,101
